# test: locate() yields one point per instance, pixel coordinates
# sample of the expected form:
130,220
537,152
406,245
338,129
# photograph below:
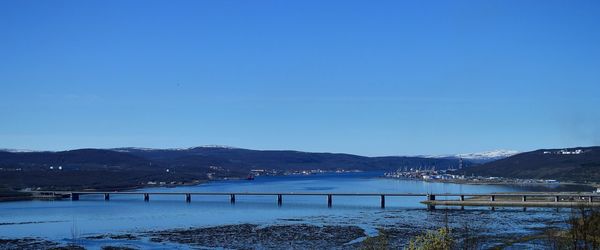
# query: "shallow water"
65,219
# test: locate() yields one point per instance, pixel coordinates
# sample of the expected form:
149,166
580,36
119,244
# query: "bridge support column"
382,201
188,198
74,196
556,198
462,198
232,198
106,196
591,199
524,198
146,197
329,200
493,198
430,197
279,200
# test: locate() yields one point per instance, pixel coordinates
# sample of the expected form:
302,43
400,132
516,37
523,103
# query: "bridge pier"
188,198
382,201
556,198
524,198
591,199
106,196
232,198
146,197
462,198
493,198
74,196
430,197
329,200
279,200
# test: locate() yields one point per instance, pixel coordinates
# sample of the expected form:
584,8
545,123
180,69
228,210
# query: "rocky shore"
295,236
34,244
248,236
491,229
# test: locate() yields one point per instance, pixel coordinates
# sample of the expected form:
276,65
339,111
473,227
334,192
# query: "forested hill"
130,167
246,159
571,164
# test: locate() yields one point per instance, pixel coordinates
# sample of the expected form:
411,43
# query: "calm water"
60,220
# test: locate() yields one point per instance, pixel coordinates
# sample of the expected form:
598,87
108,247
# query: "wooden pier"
562,199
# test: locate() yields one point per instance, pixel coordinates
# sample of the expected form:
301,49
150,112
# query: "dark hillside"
573,164
131,167
245,159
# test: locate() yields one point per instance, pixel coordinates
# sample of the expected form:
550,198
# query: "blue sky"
364,77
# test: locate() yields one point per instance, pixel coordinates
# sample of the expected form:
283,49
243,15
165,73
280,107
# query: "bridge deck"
539,194
539,199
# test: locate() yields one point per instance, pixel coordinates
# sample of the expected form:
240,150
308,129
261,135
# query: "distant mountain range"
489,155
575,164
123,167
481,157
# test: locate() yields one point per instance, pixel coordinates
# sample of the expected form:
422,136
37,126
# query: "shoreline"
467,182
31,194
271,236
200,182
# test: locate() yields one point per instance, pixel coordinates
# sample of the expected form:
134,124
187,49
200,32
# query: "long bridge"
546,199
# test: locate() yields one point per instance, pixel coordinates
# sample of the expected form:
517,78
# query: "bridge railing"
462,199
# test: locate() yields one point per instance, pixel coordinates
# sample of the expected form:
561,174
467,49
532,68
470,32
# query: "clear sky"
364,77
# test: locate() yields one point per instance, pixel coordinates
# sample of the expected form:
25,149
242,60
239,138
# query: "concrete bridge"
561,199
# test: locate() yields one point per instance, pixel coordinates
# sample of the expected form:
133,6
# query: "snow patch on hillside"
494,154
486,156
12,150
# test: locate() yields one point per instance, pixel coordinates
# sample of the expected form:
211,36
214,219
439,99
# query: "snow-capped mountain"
130,149
480,157
11,150
489,155
216,146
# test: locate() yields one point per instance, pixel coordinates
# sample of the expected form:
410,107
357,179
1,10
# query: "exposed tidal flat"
257,222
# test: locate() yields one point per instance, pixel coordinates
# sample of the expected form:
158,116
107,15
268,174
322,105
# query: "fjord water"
61,220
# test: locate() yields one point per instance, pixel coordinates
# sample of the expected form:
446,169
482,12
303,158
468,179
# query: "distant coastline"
590,186
7,195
